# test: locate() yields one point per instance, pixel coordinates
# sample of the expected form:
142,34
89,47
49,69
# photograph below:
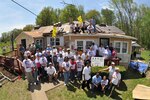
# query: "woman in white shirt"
60,60
80,65
115,81
86,76
66,70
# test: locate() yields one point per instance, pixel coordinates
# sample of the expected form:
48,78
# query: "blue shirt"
96,80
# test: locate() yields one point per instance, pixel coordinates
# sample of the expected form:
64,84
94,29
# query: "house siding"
29,40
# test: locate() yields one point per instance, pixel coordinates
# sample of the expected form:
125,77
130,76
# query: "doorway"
23,42
104,41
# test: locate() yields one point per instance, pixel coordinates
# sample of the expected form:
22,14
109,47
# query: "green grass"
130,79
8,45
18,90
145,54
15,91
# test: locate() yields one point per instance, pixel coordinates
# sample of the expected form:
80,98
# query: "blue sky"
13,16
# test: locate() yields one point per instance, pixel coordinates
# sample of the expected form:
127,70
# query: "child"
104,83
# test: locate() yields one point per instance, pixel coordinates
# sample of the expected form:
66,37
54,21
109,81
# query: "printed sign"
97,61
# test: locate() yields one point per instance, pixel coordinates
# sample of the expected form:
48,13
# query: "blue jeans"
72,75
79,75
66,77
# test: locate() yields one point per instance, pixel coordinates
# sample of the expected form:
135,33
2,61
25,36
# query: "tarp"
141,92
140,66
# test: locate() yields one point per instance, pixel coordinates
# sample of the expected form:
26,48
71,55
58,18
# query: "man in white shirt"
86,76
28,68
43,62
101,50
115,81
51,71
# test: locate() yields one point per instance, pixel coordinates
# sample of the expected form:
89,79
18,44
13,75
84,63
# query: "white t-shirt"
87,72
60,60
79,65
27,53
66,66
115,78
101,51
104,82
43,61
111,71
83,56
27,64
91,53
50,71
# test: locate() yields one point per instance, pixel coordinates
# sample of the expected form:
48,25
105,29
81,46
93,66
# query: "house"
105,35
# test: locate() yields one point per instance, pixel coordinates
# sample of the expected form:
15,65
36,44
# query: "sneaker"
65,84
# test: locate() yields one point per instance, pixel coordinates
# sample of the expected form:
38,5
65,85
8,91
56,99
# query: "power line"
24,7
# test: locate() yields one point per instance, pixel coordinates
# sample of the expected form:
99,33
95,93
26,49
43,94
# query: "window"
118,46
39,42
55,41
121,47
52,41
83,44
104,41
124,47
79,45
88,44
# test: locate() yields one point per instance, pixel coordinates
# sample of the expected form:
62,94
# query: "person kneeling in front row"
104,84
51,71
96,82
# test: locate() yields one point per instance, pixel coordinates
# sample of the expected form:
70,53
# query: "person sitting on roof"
72,28
90,28
83,27
77,29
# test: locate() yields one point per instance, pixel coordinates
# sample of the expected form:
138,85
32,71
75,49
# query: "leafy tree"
69,13
28,27
47,17
108,16
94,14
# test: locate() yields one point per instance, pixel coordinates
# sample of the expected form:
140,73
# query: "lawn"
18,89
15,91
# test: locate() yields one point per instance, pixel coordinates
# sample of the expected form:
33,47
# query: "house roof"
109,31
34,34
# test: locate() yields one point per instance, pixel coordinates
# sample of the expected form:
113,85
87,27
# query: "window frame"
53,43
84,43
121,46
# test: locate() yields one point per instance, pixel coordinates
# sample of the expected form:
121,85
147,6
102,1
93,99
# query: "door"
23,42
104,41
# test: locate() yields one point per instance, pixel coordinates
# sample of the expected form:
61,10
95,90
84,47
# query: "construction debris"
141,92
10,68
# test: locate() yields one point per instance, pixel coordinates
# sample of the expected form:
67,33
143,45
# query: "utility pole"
12,41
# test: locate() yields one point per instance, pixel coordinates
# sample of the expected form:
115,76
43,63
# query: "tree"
94,14
69,13
108,16
28,27
47,17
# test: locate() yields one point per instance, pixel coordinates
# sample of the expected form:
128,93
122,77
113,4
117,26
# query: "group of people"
77,28
64,64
